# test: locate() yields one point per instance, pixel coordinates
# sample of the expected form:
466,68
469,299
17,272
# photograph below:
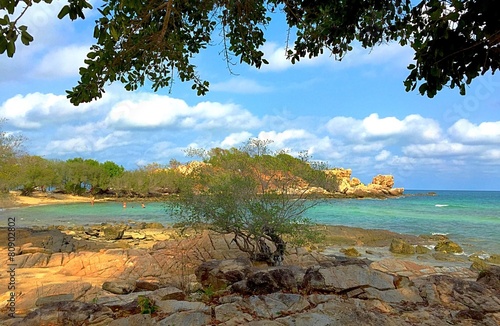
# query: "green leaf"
11,49
64,11
114,33
5,20
3,44
26,38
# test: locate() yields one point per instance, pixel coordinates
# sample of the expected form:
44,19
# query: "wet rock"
494,259
350,252
448,246
113,232
153,225
400,246
119,286
478,264
419,249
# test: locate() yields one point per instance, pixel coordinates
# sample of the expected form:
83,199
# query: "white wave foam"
441,205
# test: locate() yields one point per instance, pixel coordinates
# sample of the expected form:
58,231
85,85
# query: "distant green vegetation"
28,173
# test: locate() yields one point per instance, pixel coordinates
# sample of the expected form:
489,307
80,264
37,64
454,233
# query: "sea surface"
470,218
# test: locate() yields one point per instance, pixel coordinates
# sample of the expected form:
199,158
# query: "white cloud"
86,143
443,148
383,155
36,109
62,62
157,111
280,139
484,133
389,129
235,139
391,53
240,85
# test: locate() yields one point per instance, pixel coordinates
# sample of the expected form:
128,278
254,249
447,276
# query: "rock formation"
381,185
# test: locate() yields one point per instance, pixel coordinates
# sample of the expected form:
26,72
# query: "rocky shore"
148,274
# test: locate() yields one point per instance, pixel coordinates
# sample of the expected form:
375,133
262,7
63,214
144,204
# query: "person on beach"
92,201
124,204
142,205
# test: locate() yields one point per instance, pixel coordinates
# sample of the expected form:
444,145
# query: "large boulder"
119,286
342,278
491,278
400,246
219,274
386,181
113,232
449,247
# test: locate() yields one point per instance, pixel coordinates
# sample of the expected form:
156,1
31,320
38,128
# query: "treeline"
79,176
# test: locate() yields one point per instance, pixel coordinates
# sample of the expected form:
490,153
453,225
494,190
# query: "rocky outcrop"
448,246
329,294
381,185
400,246
205,280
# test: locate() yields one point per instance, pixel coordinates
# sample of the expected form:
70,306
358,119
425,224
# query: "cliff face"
381,185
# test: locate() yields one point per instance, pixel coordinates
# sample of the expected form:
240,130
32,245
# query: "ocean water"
470,218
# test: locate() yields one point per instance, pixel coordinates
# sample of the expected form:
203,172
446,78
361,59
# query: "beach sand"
14,199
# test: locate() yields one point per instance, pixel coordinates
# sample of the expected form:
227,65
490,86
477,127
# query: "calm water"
471,218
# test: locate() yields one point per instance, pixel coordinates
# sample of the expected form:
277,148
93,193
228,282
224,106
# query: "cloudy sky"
353,114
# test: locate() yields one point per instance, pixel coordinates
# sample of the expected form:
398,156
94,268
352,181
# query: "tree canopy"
254,194
454,41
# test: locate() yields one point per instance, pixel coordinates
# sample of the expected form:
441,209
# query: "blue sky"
353,114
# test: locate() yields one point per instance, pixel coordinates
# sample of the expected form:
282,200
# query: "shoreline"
15,200
52,263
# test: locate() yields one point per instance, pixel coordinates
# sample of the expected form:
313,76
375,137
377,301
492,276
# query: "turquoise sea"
470,218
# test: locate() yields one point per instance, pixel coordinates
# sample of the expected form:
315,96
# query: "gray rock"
168,293
173,306
230,313
409,294
54,298
68,313
119,300
309,318
294,302
261,282
218,274
343,278
191,318
119,286
491,278
134,320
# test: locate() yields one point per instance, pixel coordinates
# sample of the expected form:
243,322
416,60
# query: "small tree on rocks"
257,195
